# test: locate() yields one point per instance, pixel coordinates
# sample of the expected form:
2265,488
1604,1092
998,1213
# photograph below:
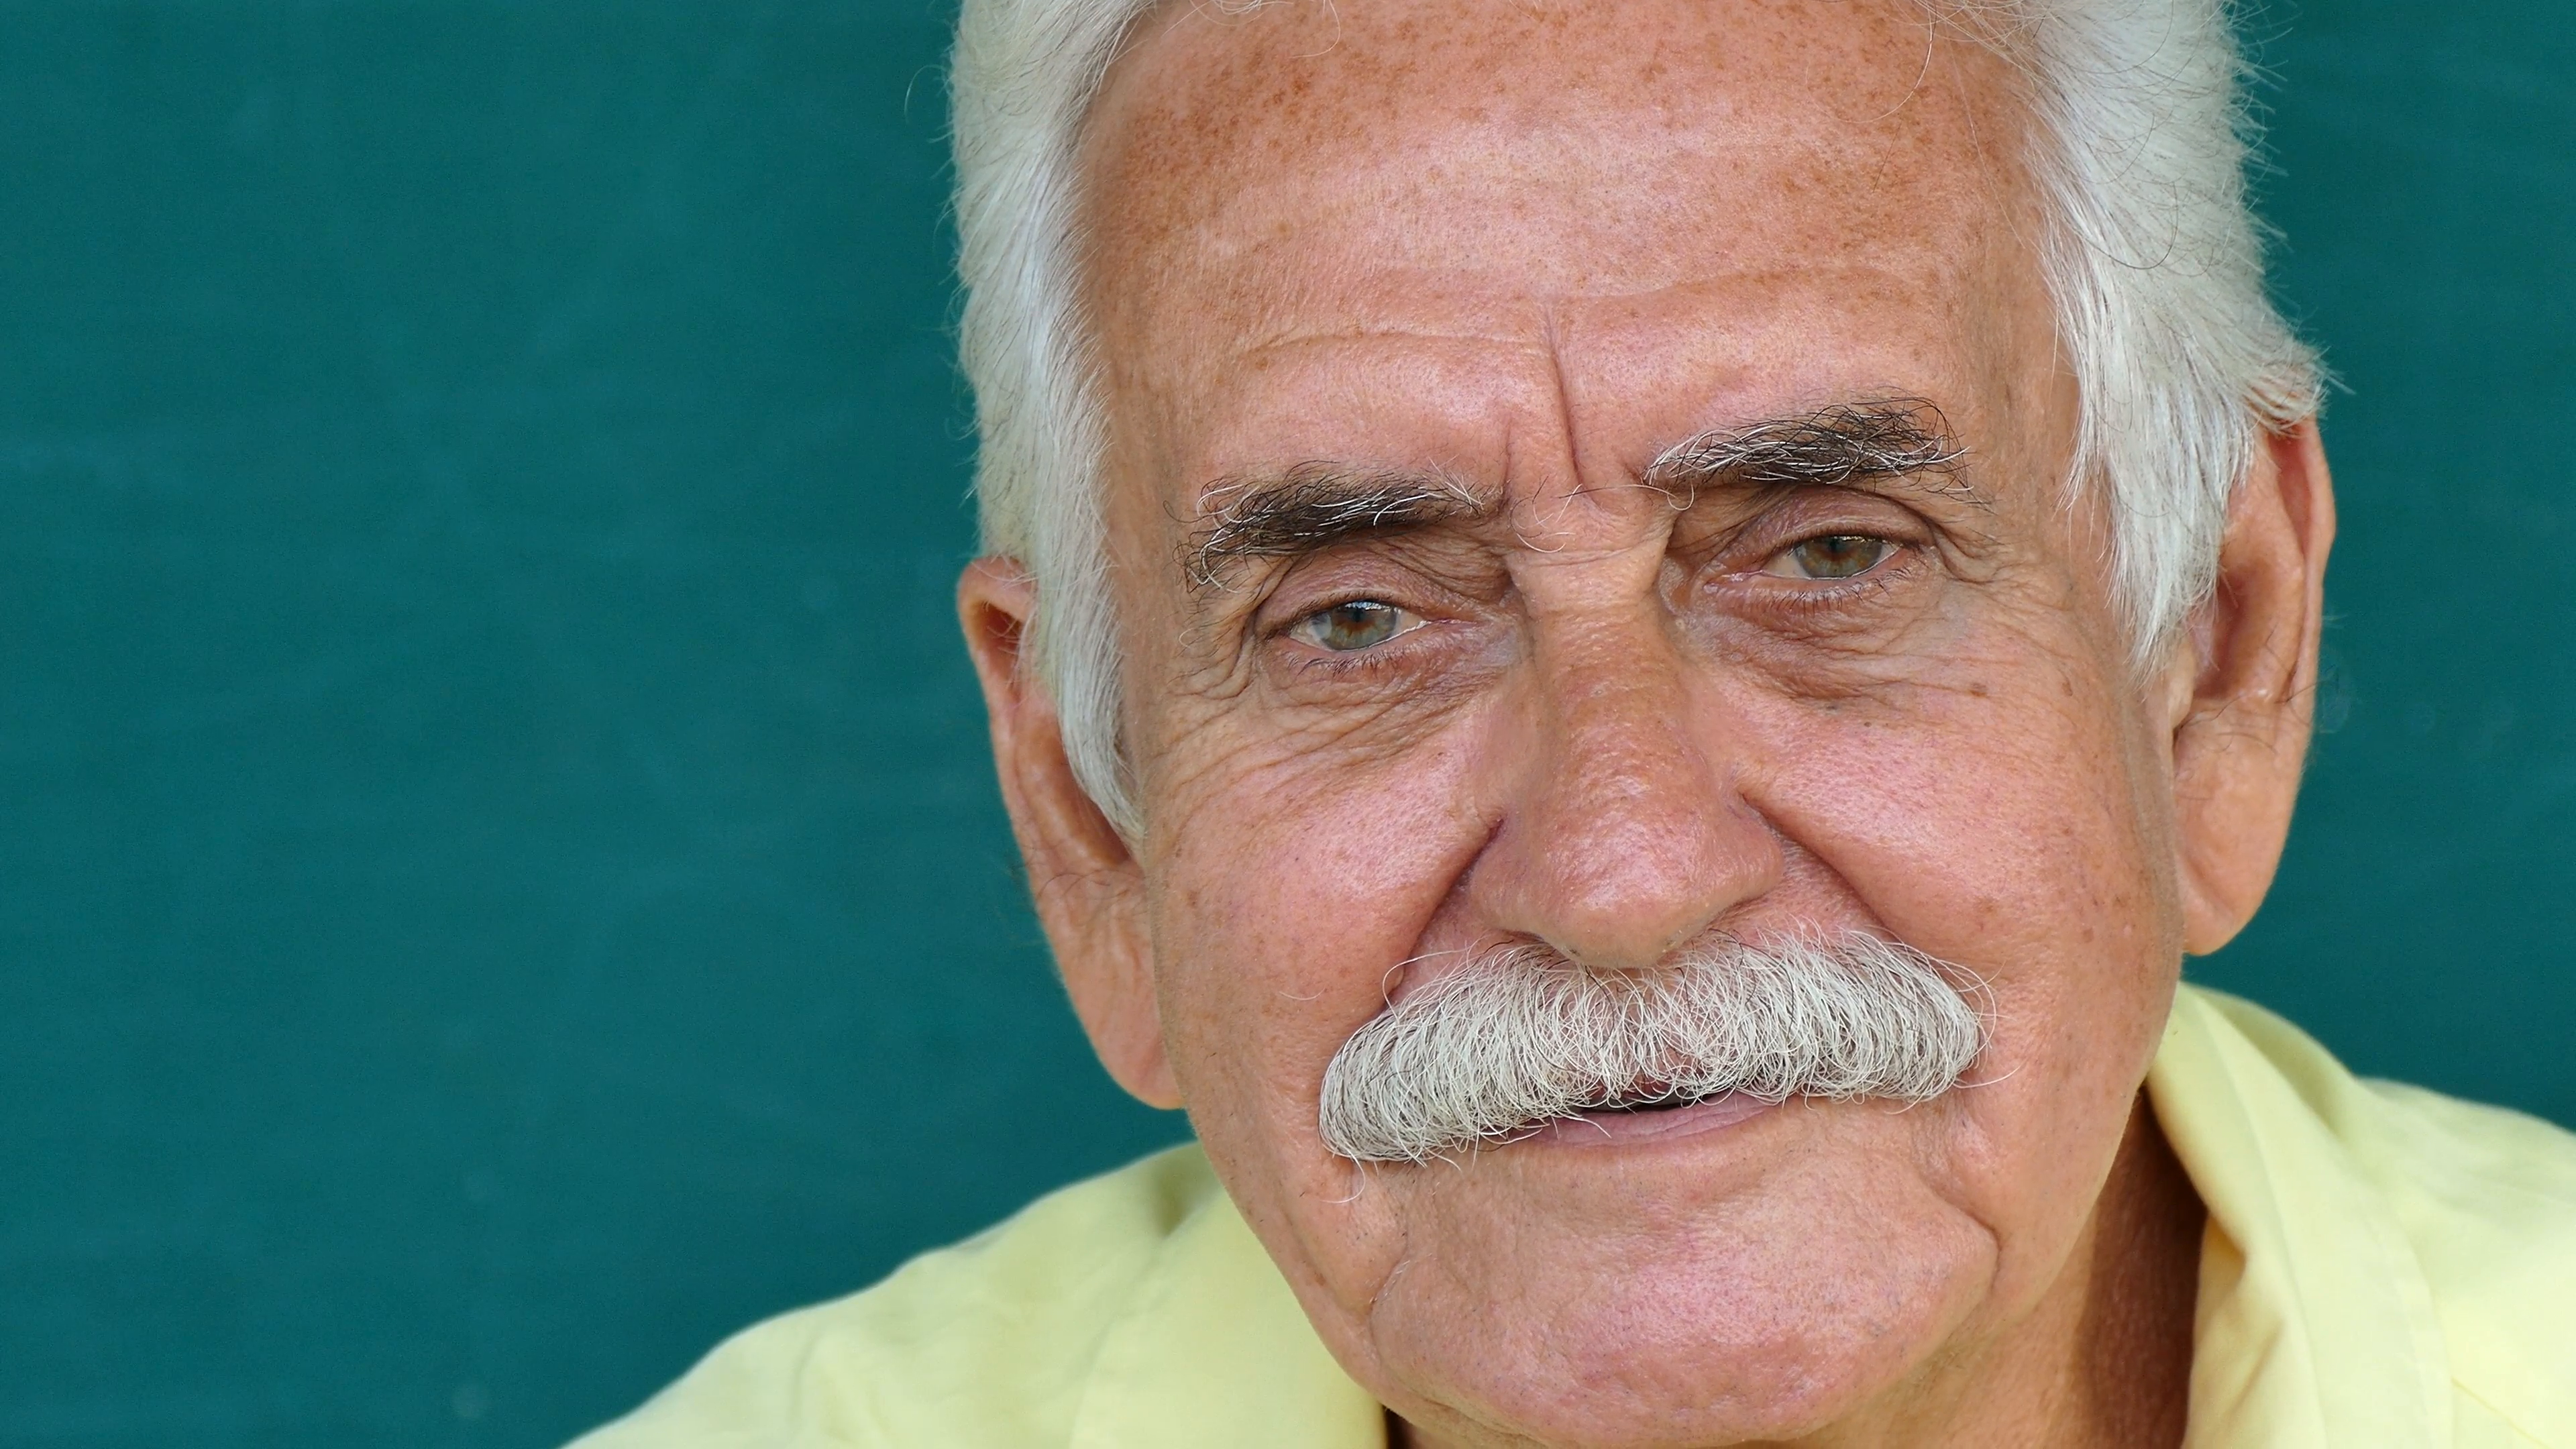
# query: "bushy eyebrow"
1313,506
1837,446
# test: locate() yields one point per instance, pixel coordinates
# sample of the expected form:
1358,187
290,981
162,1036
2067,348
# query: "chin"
1672,1355
1666,1305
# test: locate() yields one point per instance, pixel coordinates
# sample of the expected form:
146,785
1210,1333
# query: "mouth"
1652,1118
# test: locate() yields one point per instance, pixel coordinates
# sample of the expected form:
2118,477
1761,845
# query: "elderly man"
1627,642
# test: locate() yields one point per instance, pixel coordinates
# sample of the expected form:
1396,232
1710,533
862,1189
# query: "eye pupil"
1839,555
1356,625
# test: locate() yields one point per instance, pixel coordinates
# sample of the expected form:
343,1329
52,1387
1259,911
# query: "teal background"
502,881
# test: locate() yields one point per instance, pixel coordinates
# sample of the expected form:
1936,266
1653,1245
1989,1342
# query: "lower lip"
1613,1129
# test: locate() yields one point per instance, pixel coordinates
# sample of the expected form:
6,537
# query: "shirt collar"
2315,1326
1215,1350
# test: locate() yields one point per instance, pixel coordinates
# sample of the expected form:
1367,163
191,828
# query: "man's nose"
1625,832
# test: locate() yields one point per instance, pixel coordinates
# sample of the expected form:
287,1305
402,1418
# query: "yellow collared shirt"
2383,1267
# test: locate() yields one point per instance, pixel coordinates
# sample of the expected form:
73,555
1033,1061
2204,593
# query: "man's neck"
2134,1368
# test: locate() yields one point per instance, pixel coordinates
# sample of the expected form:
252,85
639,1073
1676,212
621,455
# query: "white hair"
1520,1037
2154,264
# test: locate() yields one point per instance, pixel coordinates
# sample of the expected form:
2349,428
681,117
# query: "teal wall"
502,882
2426,183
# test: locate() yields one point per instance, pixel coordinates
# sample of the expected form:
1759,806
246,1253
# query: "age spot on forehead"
1312,165
1204,100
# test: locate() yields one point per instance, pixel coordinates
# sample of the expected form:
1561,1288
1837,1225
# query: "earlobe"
1085,882
2240,742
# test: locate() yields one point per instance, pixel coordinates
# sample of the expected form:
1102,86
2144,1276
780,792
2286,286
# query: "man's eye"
1830,556
1359,624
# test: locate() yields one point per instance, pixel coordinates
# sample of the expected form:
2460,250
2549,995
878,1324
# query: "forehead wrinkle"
1541,317
1255,305
1210,131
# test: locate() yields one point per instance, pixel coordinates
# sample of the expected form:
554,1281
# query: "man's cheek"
1286,923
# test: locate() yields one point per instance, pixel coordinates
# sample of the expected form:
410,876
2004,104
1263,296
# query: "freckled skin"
1532,247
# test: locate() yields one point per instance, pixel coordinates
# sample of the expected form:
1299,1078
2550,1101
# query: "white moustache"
1520,1036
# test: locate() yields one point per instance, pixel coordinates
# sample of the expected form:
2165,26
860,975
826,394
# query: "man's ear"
1088,888
2240,706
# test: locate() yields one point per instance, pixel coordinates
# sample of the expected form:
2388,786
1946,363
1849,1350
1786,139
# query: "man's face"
1472,268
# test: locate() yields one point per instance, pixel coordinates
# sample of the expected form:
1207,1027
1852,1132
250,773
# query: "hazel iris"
1359,624
1837,555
